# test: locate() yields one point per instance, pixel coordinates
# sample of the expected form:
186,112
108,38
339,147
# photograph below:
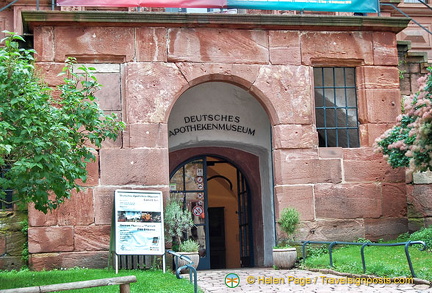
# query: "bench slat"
75,285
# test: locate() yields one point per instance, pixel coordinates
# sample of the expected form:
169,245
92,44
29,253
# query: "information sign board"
139,227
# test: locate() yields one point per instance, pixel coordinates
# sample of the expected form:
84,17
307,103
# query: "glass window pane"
328,77
354,138
194,175
318,77
176,182
332,136
319,98
329,97
337,114
352,118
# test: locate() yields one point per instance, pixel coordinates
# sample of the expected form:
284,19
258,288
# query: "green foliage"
409,142
380,261
363,240
189,245
289,220
424,234
25,251
177,220
147,280
45,141
315,251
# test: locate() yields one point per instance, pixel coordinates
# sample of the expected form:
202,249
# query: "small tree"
409,142
289,220
177,220
45,141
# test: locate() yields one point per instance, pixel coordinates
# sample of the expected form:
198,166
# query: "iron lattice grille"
336,107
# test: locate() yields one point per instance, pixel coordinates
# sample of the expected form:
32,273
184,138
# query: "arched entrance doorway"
223,128
218,196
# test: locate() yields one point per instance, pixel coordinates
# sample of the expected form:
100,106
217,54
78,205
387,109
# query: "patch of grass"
147,281
380,261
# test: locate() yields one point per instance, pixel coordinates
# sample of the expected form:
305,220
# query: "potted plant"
284,256
177,222
189,248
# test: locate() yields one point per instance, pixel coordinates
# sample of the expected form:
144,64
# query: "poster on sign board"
139,227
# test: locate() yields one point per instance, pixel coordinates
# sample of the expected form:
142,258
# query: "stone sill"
234,21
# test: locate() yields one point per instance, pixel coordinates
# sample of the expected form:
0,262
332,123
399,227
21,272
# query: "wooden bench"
124,283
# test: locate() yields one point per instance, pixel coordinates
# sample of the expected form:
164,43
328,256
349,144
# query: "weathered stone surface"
94,42
44,43
336,47
294,136
37,218
92,173
420,197
298,197
77,210
241,74
148,135
385,228
104,205
14,243
11,262
49,72
304,171
50,239
330,153
49,261
92,238
422,177
332,230
109,95
2,243
348,201
370,132
218,45
151,44
290,92
134,167
371,170
385,49
284,47
394,200
151,89
388,99
379,77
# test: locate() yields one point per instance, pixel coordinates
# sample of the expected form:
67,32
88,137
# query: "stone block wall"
342,194
12,239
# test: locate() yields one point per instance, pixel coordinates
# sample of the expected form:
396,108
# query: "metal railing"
363,246
193,278
53,3
406,15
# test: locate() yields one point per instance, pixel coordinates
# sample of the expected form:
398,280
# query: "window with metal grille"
6,198
336,107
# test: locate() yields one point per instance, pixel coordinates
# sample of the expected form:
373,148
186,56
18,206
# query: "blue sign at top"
361,6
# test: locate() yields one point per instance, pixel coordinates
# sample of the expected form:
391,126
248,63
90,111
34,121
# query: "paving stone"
270,280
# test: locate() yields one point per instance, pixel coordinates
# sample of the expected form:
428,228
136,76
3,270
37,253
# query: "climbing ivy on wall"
45,134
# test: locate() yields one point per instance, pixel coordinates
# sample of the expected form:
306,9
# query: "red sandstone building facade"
273,111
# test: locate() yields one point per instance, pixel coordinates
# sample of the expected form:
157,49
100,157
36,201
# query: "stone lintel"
243,21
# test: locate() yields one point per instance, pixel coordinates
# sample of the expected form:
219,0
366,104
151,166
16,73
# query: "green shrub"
189,245
424,234
289,220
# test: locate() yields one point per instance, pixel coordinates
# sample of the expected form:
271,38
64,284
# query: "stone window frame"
342,127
